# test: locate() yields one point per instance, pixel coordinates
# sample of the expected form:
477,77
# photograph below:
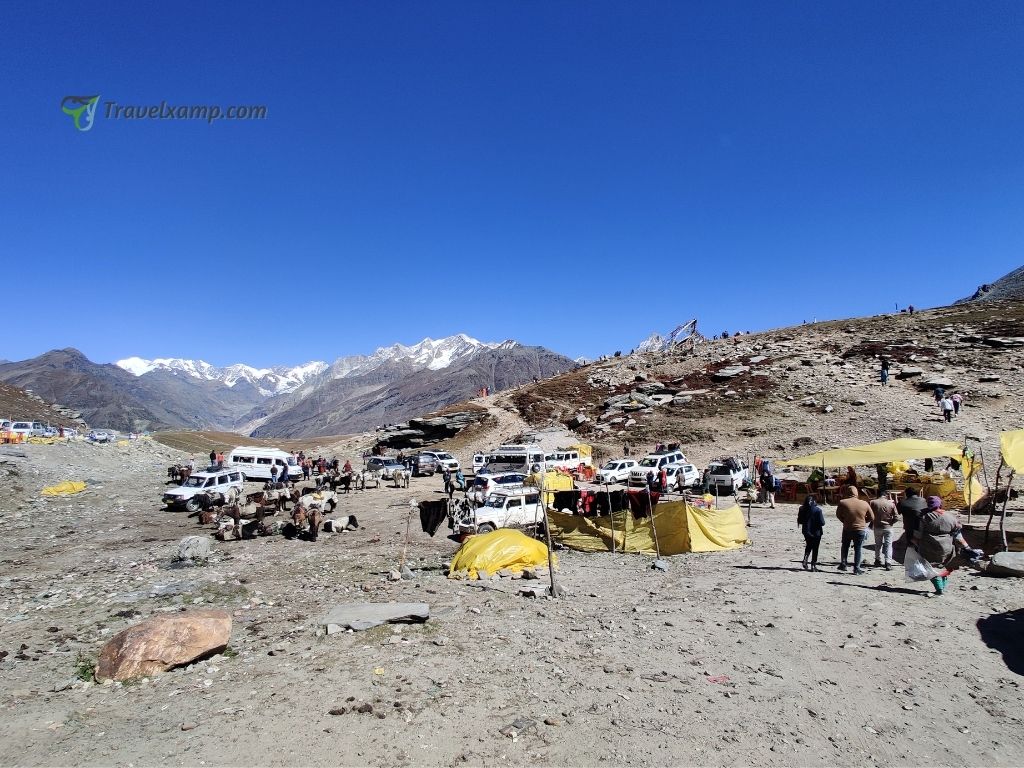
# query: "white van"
513,458
255,462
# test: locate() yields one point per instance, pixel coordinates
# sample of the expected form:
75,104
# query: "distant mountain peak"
269,381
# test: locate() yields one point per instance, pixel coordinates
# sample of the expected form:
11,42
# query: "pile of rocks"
426,431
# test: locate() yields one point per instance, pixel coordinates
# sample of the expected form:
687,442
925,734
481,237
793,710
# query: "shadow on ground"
1004,632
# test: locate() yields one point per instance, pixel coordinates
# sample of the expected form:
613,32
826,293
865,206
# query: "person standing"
934,540
938,393
220,460
811,520
884,373
446,477
213,456
191,465
768,483
662,480
856,515
884,511
946,404
273,475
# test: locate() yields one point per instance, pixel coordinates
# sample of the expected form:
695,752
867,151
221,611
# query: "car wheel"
192,505
485,528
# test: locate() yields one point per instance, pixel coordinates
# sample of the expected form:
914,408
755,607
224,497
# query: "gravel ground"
732,658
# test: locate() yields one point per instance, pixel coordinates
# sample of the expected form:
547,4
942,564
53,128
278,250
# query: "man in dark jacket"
911,508
811,520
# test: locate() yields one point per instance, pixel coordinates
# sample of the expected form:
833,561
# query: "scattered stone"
730,372
189,726
362,616
909,372
988,378
519,727
195,549
338,711
1006,564
552,721
163,642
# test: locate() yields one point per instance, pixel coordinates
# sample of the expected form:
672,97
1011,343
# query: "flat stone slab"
360,616
1006,564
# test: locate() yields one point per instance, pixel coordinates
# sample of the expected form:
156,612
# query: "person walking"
856,516
884,511
884,372
958,400
811,520
946,404
934,540
911,508
938,393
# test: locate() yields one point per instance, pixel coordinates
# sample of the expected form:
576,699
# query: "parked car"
101,436
425,464
386,465
730,473
444,459
653,462
691,475
504,508
615,471
256,462
23,428
478,462
484,485
216,481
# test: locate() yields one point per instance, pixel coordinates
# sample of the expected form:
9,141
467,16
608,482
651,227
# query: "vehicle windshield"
291,461
194,482
444,456
611,465
648,462
495,501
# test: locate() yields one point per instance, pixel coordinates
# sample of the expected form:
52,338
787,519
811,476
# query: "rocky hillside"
801,388
1009,286
18,405
392,393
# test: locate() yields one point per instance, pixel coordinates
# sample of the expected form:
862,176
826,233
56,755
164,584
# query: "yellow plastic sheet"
681,528
1011,444
64,489
503,548
583,449
553,481
879,453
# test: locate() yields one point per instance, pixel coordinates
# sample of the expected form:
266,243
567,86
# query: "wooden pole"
654,528
1002,515
611,514
992,502
547,531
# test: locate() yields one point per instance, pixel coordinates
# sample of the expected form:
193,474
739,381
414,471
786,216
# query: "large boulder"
908,372
730,372
162,643
935,381
1006,564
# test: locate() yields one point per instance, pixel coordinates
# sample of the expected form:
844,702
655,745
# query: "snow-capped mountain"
269,381
686,332
429,353
653,343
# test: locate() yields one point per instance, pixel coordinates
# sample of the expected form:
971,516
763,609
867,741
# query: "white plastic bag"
918,569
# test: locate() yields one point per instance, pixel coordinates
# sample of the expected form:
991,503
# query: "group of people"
948,404
935,533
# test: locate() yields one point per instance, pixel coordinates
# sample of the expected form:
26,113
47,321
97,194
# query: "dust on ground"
732,658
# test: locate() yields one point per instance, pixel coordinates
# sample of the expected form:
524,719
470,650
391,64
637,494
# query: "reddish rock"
163,642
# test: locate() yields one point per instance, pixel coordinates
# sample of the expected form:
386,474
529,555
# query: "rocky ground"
732,658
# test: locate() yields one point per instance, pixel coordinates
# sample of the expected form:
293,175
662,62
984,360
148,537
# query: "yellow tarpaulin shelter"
64,489
503,548
1011,444
901,449
681,528
582,449
553,481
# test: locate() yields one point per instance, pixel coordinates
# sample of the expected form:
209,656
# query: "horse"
401,478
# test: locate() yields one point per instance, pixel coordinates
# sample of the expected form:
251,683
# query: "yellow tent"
552,481
681,528
1012,446
503,548
901,449
64,489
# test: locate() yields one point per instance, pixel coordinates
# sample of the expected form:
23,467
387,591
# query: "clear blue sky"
572,174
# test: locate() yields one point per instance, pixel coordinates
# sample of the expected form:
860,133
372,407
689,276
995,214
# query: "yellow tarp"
681,528
582,449
44,440
880,453
503,548
64,489
898,450
124,443
1012,446
553,481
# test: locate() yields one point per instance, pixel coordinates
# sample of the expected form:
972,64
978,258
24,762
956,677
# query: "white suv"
653,462
505,508
217,481
444,459
615,471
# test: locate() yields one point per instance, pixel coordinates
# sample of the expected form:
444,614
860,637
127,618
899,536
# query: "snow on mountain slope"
269,381
429,353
